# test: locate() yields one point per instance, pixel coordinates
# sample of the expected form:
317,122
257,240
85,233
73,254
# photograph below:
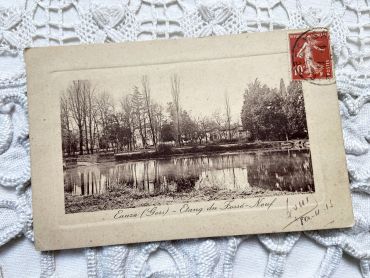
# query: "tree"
65,125
128,117
271,114
175,92
105,108
228,114
204,126
167,134
148,106
138,108
90,111
187,126
295,111
282,89
76,106
158,117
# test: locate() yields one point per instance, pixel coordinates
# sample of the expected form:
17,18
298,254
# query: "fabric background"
335,253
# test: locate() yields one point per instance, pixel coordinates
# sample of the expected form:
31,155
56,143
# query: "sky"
203,83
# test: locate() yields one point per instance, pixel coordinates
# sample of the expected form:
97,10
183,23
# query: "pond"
274,170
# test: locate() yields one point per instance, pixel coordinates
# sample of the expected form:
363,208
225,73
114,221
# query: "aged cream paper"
211,70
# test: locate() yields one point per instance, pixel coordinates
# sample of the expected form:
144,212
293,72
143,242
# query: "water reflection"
278,170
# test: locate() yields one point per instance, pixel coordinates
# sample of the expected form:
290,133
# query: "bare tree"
90,112
158,116
66,127
148,106
137,104
76,105
105,108
175,91
128,117
204,126
228,114
80,101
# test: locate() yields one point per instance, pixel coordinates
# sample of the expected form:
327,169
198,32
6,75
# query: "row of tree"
91,121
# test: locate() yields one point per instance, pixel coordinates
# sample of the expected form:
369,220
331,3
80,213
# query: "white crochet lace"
53,22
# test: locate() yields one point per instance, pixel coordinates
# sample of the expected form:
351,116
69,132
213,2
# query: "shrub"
186,184
164,149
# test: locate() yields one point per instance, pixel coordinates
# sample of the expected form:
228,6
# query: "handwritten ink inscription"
304,210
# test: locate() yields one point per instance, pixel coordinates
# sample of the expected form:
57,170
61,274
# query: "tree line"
272,114
92,122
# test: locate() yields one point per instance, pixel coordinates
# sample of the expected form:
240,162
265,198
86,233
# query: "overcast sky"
203,84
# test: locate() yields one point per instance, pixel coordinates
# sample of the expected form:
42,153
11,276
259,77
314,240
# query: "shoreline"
292,145
125,198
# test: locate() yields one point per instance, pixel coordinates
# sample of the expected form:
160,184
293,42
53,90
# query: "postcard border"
55,230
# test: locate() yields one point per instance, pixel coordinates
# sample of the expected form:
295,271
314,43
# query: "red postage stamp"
310,55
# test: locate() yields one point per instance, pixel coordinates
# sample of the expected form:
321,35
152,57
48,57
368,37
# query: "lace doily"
56,22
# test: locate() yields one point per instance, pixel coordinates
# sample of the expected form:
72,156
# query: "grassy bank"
127,198
167,150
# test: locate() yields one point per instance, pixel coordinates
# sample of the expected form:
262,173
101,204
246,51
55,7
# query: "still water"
275,170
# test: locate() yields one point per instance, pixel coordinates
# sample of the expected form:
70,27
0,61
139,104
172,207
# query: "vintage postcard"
161,140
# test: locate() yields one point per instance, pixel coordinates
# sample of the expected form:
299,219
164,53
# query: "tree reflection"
279,170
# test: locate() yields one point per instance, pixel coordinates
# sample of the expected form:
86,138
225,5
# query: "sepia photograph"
168,137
